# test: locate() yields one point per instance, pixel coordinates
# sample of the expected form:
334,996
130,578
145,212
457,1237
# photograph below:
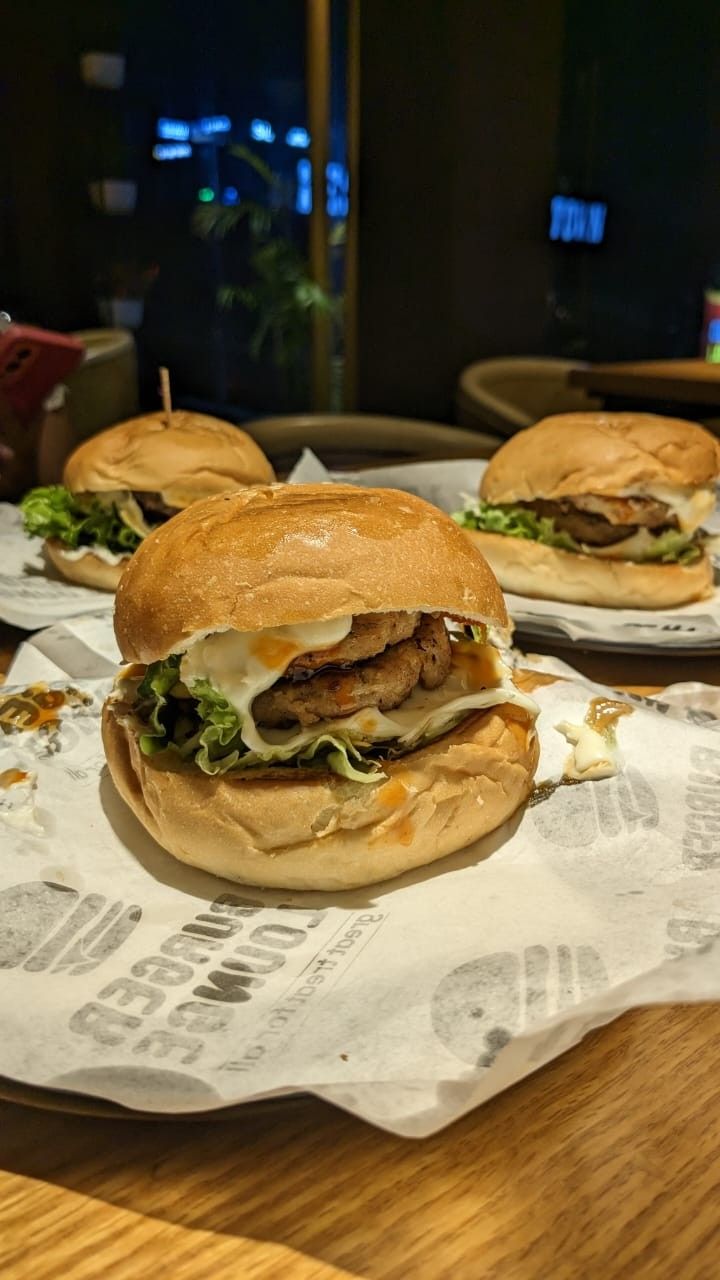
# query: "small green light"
206,195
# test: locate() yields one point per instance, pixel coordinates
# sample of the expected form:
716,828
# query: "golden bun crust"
327,833
88,571
280,554
193,458
531,569
603,453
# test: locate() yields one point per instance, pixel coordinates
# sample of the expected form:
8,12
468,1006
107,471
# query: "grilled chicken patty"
600,521
383,681
370,634
152,506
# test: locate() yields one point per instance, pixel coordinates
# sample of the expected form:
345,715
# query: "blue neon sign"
303,195
213,124
176,130
171,151
577,221
337,188
262,130
298,137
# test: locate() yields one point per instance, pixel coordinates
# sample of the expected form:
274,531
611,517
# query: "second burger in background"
298,713
600,509
122,483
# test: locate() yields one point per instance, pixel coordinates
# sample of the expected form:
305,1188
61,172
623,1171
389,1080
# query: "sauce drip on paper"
544,790
529,681
603,714
12,778
37,707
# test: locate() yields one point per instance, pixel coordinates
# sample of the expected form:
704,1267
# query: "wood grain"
602,1165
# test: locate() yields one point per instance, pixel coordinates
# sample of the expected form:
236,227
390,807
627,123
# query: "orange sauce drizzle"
528,681
274,652
12,778
477,664
403,831
36,707
392,794
544,790
603,713
133,671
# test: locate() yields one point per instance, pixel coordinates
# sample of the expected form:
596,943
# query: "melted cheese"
689,506
633,548
241,665
102,553
131,514
592,755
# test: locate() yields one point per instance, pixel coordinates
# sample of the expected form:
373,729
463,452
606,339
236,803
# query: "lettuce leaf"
152,694
673,547
53,512
669,547
515,522
202,726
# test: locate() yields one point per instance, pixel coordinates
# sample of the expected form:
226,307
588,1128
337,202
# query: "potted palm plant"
280,296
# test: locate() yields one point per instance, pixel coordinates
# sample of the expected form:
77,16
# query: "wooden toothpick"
165,393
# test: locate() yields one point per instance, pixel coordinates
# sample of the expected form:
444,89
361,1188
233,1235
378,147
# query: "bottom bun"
89,570
532,569
327,832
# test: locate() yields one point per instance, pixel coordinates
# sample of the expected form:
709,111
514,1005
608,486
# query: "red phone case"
32,362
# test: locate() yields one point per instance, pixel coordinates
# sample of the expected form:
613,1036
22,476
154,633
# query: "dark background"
473,115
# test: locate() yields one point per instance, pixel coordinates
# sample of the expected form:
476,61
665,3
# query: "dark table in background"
691,382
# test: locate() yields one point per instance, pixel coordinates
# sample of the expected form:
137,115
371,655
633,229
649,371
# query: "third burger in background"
600,509
298,713
120,484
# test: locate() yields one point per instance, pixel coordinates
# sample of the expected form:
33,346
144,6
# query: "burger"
122,483
600,509
298,711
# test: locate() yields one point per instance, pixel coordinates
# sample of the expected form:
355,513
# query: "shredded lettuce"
516,522
669,547
476,631
201,725
79,521
673,547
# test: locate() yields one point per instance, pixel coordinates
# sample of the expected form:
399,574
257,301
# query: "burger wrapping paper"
131,977
448,485
31,593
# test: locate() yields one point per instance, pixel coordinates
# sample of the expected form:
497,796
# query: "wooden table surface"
682,381
602,1165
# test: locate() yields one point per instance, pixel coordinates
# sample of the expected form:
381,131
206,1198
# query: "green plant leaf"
241,152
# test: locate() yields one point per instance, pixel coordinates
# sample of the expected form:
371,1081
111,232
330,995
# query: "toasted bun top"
194,457
605,453
283,554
